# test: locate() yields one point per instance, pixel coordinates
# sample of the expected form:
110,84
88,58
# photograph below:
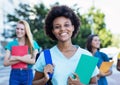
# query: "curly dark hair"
58,11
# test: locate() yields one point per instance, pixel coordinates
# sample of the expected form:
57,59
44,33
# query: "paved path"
4,75
114,79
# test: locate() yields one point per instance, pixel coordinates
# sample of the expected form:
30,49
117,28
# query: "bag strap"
48,59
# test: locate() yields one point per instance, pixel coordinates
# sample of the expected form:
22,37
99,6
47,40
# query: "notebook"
105,66
19,51
85,68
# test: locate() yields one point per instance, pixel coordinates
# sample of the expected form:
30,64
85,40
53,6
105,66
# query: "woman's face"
95,42
62,29
20,30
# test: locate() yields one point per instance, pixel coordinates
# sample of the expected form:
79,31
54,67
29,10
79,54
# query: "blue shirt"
63,67
102,57
15,43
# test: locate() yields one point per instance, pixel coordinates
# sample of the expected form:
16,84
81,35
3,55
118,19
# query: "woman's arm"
39,79
7,59
93,80
30,59
101,74
42,78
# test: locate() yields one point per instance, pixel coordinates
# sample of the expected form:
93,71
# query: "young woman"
61,25
20,75
93,45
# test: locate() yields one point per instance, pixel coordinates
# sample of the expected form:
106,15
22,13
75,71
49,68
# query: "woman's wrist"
45,79
42,81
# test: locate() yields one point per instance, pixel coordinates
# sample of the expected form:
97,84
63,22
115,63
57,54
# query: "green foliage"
84,30
99,26
105,37
116,40
83,33
36,15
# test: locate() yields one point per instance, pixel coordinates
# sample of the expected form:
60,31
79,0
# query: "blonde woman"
21,75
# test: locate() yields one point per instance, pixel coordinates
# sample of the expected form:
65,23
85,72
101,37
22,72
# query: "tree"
99,26
36,15
84,29
116,40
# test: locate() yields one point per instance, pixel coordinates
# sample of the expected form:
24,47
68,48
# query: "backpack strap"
48,59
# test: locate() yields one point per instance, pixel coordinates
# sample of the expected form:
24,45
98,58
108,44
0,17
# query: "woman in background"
20,75
93,45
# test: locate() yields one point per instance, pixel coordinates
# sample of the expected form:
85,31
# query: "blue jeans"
21,77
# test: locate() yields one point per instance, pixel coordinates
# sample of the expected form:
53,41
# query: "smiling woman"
21,59
61,25
62,28
93,45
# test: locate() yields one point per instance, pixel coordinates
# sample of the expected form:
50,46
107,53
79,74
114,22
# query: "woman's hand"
74,81
14,58
101,74
48,69
26,59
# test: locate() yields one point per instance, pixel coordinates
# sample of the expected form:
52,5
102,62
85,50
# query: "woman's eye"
57,27
67,25
22,29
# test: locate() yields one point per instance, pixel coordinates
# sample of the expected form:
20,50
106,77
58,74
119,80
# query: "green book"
85,68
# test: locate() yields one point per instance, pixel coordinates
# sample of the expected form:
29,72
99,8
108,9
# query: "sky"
111,9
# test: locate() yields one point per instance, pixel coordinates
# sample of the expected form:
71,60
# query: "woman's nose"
62,28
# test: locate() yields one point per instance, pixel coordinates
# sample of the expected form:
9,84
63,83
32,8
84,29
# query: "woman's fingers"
74,80
75,76
48,68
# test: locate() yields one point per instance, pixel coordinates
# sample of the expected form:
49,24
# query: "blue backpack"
48,60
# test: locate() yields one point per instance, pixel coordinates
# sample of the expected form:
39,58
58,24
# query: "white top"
63,67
